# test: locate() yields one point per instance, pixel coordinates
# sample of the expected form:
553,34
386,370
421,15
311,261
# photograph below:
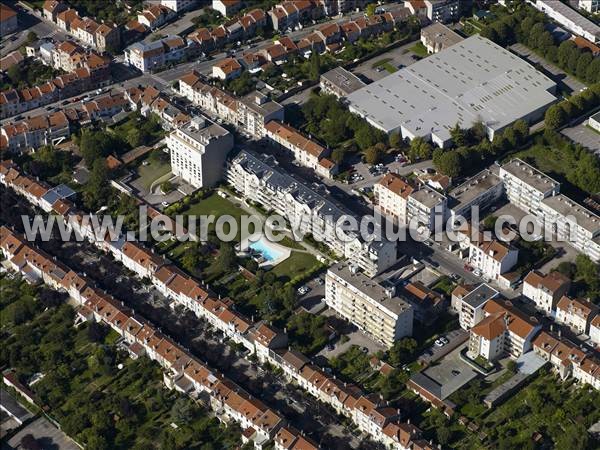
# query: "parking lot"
399,57
584,135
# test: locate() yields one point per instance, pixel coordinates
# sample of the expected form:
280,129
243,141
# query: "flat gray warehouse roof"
474,80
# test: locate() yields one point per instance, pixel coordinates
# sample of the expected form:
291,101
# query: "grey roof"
530,175
474,80
265,168
428,197
440,33
596,117
59,192
265,108
572,15
13,407
344,80
567,207
202,130
370,288
474,187
480,295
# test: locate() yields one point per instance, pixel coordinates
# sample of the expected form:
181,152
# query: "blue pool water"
265,249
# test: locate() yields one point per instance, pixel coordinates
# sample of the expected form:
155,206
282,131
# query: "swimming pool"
264,247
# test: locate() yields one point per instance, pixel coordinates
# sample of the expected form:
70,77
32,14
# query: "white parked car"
477,272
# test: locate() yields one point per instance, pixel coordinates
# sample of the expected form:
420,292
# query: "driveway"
356,337
584,135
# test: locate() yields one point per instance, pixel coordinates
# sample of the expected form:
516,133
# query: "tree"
166,186
182,410
402,351
395,139
314,70
419,149
97,332
448,163
370,10
458,135
555,117
337,155
567,268
511,366
226,261
374,154
443,435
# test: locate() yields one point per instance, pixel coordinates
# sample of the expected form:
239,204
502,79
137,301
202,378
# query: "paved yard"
48,435
584,135
398,57
357,337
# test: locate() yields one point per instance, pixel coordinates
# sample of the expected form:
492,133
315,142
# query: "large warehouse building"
474,80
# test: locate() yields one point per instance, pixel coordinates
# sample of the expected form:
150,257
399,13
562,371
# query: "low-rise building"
340,82
198,151
545,290
595,330
155,55
437,37
227,69
594,121
367,304
178,5
575,313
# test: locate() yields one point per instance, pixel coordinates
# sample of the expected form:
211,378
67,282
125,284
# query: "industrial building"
471,81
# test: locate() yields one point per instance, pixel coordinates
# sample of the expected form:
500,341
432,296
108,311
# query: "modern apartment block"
469,301
591,6
481,190
308,210
568,220
442,10
526,186
545,290
367,304
198,151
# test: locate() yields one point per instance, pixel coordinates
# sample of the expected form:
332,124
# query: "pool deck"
285,252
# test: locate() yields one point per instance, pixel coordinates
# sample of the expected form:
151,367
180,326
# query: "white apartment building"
504,330
178,5
591,6
198,151
570,19
442,10
469,303
391,196
545,290
409,205
480,190
526,186
575,313
571,222
258,178
367,304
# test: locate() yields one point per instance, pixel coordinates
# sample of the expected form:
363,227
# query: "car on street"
477,272
439,343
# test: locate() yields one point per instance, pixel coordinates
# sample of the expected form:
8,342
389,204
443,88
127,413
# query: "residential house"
575,313
545,290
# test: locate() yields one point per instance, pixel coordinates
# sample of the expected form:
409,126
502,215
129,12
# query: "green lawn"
385,63
152,172
419,50
296,264
217,206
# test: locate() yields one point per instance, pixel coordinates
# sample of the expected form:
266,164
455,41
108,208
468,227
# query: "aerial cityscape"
300,224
